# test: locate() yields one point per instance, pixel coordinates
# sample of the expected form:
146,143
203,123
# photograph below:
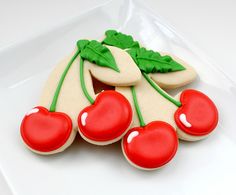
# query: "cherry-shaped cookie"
197,116
106,120
46,132
109,116
151,146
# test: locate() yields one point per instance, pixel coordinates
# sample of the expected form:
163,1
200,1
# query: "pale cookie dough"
176,79
71,98
103,143
153,106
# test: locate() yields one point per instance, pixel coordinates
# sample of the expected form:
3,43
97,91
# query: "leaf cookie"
173,80
59,95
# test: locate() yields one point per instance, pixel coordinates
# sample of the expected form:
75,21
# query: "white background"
209,24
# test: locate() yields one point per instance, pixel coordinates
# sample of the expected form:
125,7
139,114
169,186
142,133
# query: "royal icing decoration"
151,146
107,119
131,136
184,121
198,115
34,110
45,131
83,118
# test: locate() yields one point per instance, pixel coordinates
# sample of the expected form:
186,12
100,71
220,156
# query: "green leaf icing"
97,53
149,61
120,40
81,44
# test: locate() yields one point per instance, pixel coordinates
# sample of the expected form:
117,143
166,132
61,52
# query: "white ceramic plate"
205,167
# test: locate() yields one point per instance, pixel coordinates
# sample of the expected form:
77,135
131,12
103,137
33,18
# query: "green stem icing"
160,91
58,89
140,117
89,98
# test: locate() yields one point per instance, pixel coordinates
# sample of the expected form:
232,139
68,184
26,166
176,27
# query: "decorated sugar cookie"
152,142
113,90
151,145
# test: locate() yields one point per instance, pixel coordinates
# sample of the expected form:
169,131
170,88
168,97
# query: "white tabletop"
209,24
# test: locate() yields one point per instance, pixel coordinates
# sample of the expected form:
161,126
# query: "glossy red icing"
45,131
200,112
151,146
107,119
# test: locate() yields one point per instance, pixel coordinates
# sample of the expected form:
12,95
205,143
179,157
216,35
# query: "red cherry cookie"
198,115
45,131
107,119
151,146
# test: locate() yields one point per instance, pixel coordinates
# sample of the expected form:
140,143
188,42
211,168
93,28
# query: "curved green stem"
140,117
58,89
160,91
85,91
